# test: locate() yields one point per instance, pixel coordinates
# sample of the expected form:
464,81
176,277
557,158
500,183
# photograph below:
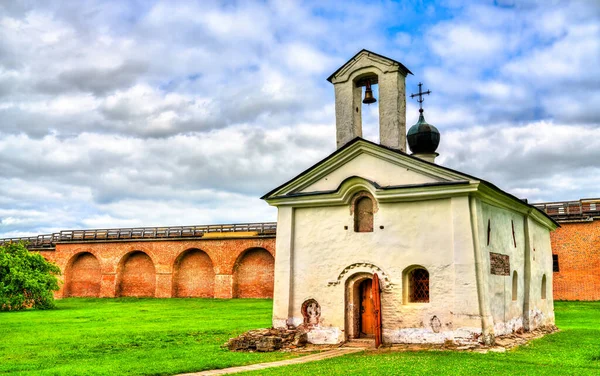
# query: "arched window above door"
363,213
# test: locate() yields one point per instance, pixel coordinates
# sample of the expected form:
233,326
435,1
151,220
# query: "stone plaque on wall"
499,264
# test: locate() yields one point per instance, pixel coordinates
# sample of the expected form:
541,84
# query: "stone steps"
363,343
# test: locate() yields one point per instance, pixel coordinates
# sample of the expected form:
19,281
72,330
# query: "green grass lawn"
130,336
168,336
575,350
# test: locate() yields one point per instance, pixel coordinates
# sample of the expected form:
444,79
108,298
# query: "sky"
152,113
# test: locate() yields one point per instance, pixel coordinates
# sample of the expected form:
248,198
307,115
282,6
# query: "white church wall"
506,309
541,311
466,312
283,266
325,255
510,313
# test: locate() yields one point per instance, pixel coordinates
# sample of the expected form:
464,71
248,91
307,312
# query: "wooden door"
367,312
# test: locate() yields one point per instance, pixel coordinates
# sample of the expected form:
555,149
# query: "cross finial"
420,95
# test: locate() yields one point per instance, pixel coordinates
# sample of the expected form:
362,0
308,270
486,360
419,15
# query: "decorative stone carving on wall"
499,264
311,311
384,277
436,324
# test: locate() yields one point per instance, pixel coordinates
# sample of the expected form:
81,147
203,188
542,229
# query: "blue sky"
143,113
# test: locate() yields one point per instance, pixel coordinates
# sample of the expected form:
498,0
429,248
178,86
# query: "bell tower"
367,68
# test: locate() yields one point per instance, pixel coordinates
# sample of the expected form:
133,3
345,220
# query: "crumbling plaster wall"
506,312
323,254
512,313
540,311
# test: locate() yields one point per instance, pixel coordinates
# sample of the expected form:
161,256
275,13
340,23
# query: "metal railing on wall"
49,240
571,209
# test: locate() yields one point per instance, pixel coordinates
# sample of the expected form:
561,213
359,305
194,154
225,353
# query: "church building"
374,242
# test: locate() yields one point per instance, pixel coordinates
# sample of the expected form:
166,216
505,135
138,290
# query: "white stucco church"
455,257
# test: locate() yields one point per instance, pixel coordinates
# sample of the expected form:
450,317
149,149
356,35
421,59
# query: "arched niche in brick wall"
193,275
83,276
253,274
136,275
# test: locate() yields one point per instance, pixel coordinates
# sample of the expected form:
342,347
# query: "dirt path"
303,359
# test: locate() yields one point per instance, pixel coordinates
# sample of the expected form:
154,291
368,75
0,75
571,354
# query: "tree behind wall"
27,280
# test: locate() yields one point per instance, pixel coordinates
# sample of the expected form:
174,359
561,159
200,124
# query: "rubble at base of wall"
265,340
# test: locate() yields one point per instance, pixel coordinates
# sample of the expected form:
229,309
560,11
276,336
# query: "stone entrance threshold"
254,367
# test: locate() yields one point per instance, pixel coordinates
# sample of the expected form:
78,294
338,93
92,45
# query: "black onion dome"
423,138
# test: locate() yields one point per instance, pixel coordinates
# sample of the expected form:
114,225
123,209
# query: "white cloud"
177,112
464,44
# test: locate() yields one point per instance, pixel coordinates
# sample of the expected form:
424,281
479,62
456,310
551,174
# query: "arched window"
515,284
363,214
418,285
544,287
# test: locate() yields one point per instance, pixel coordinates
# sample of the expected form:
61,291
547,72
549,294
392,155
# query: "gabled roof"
350,145
457,176
330,78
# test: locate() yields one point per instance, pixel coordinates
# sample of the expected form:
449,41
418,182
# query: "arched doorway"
360,322
363,307
137,276
83,276
253,274
194,275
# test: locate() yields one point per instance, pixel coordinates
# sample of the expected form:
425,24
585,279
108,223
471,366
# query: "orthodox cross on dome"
420,95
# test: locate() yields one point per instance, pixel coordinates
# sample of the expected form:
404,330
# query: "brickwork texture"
577,245
219,268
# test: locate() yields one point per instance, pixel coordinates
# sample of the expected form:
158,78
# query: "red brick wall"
194,275
83,276
578,248
136,276
253,275
174,267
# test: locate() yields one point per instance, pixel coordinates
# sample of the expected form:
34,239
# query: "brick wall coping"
583,210
223,231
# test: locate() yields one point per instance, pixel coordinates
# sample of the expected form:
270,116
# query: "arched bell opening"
367,105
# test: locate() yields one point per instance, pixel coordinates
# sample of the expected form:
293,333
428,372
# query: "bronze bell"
369,98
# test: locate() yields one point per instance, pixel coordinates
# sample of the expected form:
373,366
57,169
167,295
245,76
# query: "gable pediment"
383,167
365,58
371,167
